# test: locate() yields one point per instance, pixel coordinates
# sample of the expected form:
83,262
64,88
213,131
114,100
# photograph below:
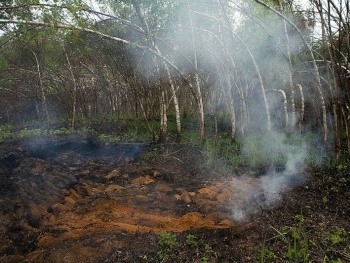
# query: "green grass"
7,132
170,245
253,150
299,245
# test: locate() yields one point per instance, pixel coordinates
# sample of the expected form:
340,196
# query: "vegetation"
155,61
252,83
169,246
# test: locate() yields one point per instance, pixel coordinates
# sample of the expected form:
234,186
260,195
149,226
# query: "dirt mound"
62,195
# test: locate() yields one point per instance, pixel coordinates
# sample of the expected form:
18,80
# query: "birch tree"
334,19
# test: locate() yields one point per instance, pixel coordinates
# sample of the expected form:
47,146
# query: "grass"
170,245
297,244
322,234
253,150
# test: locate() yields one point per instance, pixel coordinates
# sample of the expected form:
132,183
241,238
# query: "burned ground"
77,199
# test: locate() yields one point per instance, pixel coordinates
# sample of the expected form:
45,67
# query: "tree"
334,19
139,54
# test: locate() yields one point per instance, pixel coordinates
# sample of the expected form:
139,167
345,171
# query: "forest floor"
75,199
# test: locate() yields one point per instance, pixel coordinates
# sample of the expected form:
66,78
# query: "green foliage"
266,255
191,138
299,247
6,132
337,237
169,247
151,155
208,248
191,240
122,128
268,149
254,150
109,137
225,149
31,132
167,242
3,62
335,243
296,241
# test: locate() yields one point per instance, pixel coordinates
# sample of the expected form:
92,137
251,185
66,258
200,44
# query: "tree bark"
302,106
316,71
261,82
42,90
201,116
74,91
290,73
163,125
163,117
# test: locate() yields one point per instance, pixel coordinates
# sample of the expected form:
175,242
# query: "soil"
77,199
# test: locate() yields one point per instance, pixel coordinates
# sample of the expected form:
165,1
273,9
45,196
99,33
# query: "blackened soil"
77,199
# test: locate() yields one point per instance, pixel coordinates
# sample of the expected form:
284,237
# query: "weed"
208,248
150,155
167,242
337,237
109,138
191,240
6,132
31,132
296,241
298,244
325,200
266,255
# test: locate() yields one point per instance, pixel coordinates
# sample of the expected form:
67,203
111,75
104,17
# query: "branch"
317,74
89,30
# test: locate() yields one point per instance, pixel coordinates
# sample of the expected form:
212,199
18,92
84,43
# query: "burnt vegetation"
174,131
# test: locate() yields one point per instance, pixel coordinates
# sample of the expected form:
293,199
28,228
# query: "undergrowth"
298,244
252,150
170,246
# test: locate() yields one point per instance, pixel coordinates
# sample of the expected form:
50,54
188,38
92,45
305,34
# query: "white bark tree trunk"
290,73
201,116
74,91
42,90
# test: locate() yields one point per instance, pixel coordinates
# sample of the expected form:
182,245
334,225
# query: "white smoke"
254,193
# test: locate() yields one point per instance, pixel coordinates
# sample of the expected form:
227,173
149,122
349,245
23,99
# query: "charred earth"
78,199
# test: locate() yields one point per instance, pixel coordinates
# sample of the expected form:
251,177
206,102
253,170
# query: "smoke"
244,63
252,193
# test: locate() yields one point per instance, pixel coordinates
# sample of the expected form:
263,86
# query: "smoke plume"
252,193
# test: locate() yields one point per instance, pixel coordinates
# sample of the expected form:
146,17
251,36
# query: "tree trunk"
163,117
290,75
199,100
163,129
74,92
42,90
263,92
176,103
316,71
230,105
302,106
332,71
285,105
